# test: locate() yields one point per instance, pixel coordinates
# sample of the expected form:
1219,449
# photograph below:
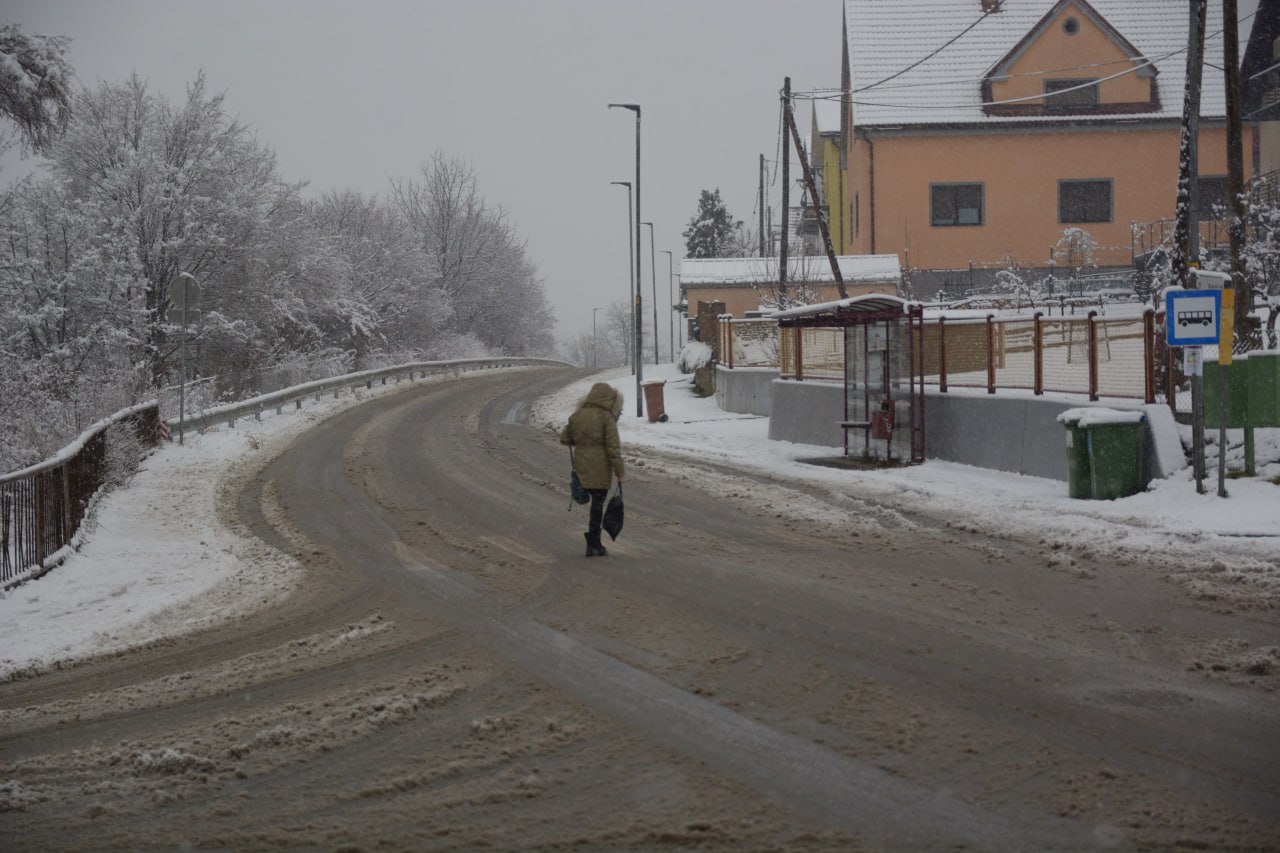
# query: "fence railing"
229,413
1092,354
42,507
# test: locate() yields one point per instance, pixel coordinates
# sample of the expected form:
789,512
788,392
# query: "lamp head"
635,108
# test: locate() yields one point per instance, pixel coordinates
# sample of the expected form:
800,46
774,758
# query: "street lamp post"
671,309
635,108
595,361
653,279
632,271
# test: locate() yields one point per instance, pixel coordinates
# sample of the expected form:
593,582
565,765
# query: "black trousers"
597,510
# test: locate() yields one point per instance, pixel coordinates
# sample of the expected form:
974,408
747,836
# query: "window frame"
1075,101
1206,208
955,221
1076,182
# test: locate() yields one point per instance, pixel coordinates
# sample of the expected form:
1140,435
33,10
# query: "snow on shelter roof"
923,62
808,268
870,303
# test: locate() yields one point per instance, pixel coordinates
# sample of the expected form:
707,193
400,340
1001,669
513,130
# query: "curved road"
453,673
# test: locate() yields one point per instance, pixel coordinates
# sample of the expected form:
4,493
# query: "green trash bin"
1238,404
1264,388
1115,453
1078,485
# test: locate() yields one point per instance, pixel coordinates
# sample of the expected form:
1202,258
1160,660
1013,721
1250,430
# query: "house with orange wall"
991,134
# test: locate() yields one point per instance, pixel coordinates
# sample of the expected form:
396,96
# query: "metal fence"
1093,354
43,506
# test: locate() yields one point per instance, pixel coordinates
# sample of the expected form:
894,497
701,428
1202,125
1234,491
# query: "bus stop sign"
1193,317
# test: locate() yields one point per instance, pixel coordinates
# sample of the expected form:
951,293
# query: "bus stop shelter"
883,341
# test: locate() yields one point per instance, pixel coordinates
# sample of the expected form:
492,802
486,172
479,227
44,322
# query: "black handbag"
577,493
612,521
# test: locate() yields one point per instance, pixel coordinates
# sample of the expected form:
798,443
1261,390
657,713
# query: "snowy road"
756,665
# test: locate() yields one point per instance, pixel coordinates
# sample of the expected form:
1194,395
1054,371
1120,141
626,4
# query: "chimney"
989,6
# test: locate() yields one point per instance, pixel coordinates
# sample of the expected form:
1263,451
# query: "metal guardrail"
231,412
42,506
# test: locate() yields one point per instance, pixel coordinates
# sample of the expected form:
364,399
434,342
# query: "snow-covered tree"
711,231
479,261
35,85
189,184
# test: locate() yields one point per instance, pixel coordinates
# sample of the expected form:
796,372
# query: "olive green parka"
597,452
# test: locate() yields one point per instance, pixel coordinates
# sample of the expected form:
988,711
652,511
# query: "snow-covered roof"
937,53
871,303
809,268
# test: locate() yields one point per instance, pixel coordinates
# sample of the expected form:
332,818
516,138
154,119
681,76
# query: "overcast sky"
351,93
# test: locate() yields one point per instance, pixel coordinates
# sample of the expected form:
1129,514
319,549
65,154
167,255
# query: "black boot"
591,549
595,545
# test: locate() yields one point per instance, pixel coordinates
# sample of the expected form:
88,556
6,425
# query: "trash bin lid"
1087,416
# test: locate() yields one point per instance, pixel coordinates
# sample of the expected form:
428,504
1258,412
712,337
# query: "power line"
930,55
837,94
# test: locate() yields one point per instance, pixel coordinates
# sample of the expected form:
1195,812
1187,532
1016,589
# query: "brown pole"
817,205
783,302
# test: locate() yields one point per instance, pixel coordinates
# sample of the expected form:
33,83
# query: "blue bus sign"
1192,317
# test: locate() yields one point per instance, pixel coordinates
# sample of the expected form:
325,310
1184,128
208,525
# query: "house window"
1071,93
1084,201
1212,196
955,204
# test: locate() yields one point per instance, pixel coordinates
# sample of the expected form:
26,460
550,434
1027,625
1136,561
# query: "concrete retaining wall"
746,390
1011,431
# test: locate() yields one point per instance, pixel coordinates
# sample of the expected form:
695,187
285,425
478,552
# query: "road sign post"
1192,319
184,295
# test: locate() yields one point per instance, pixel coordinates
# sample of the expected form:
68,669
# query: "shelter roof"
806,268
842,311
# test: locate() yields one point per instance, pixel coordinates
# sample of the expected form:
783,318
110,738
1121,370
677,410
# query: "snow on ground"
160,558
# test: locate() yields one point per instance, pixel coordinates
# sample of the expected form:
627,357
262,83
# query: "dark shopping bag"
580,495
612,521
577,493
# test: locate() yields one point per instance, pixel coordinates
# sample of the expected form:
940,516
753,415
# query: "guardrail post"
799,353
942,355
991,353
1093,355
1037,350
728,330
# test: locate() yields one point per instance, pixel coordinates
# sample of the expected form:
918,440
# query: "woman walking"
592,434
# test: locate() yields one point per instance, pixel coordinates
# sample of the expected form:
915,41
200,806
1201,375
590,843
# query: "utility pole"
817,202
1235,162
783,302
760,204
1186,237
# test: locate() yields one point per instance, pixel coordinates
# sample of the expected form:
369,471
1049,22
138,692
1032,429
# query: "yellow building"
826,161
987,134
